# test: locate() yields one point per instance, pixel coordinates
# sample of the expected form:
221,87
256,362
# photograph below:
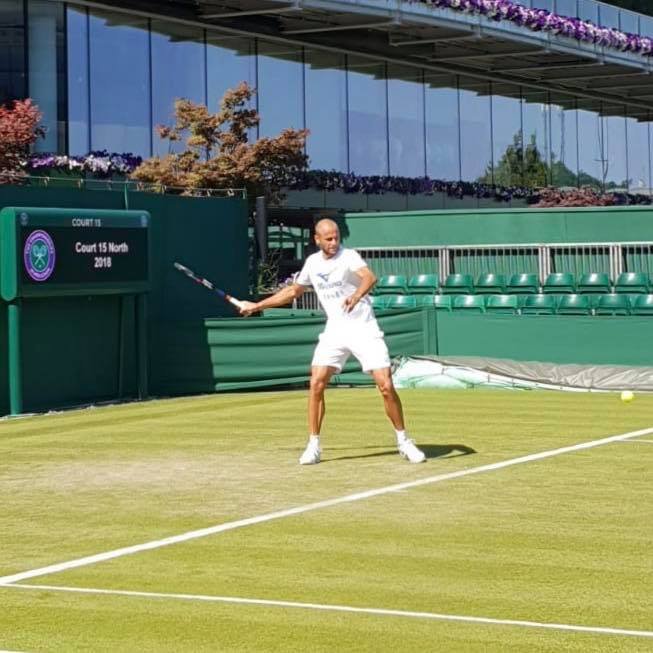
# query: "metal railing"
599,13
537,258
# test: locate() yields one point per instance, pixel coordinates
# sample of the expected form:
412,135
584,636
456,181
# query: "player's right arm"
284,296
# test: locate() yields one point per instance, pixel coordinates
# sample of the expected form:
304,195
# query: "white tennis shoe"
410,452
311,455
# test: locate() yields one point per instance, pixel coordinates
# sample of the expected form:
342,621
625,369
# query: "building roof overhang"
518,61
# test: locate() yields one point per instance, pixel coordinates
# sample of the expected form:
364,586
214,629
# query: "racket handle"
232,300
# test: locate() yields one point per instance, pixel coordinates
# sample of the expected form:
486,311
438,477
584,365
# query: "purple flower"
546,21
98,164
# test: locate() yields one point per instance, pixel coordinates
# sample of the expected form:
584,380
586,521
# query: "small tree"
19,129
218,154
518,165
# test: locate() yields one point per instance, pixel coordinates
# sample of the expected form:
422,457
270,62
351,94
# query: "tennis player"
342,280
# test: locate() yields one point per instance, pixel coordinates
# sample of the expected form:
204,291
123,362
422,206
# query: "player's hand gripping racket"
207,284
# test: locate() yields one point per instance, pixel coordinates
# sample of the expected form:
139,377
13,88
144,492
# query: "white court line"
638,441
229,526
346,608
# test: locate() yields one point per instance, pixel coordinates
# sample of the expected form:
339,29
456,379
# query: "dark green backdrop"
496,227
70,345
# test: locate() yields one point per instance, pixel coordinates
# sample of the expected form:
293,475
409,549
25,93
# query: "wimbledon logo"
39,255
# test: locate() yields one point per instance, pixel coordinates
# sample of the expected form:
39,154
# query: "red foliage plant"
551,197
19,129
218,153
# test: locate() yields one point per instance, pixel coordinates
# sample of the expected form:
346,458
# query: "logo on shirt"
324,276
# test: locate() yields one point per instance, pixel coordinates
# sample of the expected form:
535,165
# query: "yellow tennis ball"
627,396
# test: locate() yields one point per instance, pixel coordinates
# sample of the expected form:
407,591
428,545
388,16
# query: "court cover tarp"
469,372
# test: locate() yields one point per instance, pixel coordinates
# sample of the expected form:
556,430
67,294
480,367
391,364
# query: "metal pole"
15,371
261,228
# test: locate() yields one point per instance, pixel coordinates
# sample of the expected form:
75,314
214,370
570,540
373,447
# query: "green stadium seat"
442,302
539,305
400,301
643,305
378,302
594,282
469,303
559,282
423,284
491,284
502,304
612,304
391,284
632,282
574,305
425,300
523,284
458,284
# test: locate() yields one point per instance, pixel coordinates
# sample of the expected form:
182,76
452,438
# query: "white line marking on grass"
638,441
250,521
346,608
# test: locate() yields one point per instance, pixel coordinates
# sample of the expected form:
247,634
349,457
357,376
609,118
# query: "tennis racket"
207,284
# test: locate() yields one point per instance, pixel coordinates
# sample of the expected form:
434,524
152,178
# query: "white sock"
401,436
315,439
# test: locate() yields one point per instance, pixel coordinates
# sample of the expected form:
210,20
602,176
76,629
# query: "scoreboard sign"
47,252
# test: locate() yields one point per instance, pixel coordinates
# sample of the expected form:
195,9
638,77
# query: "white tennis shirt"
334,279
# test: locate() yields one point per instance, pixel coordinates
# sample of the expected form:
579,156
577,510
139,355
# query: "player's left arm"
368,279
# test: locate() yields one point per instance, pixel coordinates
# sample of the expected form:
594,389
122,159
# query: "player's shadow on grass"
430,451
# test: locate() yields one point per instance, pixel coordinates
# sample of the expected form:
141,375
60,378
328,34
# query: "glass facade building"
106,79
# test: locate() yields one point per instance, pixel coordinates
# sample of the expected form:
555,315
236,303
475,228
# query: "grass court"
509,537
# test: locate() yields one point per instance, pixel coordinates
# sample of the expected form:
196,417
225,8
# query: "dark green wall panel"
70,351
548,338
491,226
70,347
4,362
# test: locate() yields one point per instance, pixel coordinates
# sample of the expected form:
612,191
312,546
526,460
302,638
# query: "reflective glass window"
590,149
326,110
566,8
230,60
475,130
646,26
564,144
542,4
280,88
588,10
78,91
628,22
616,164
368,116
406,121
177,72
639,155
608,16
442,127
12,53
507,137
120,83
47,72
535,123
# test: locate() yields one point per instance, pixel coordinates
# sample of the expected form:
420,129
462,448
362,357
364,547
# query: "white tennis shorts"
368,346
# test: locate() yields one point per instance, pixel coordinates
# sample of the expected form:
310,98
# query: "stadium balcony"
594,76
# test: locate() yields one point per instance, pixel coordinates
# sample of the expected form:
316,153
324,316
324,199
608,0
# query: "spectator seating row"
538,304
517,284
